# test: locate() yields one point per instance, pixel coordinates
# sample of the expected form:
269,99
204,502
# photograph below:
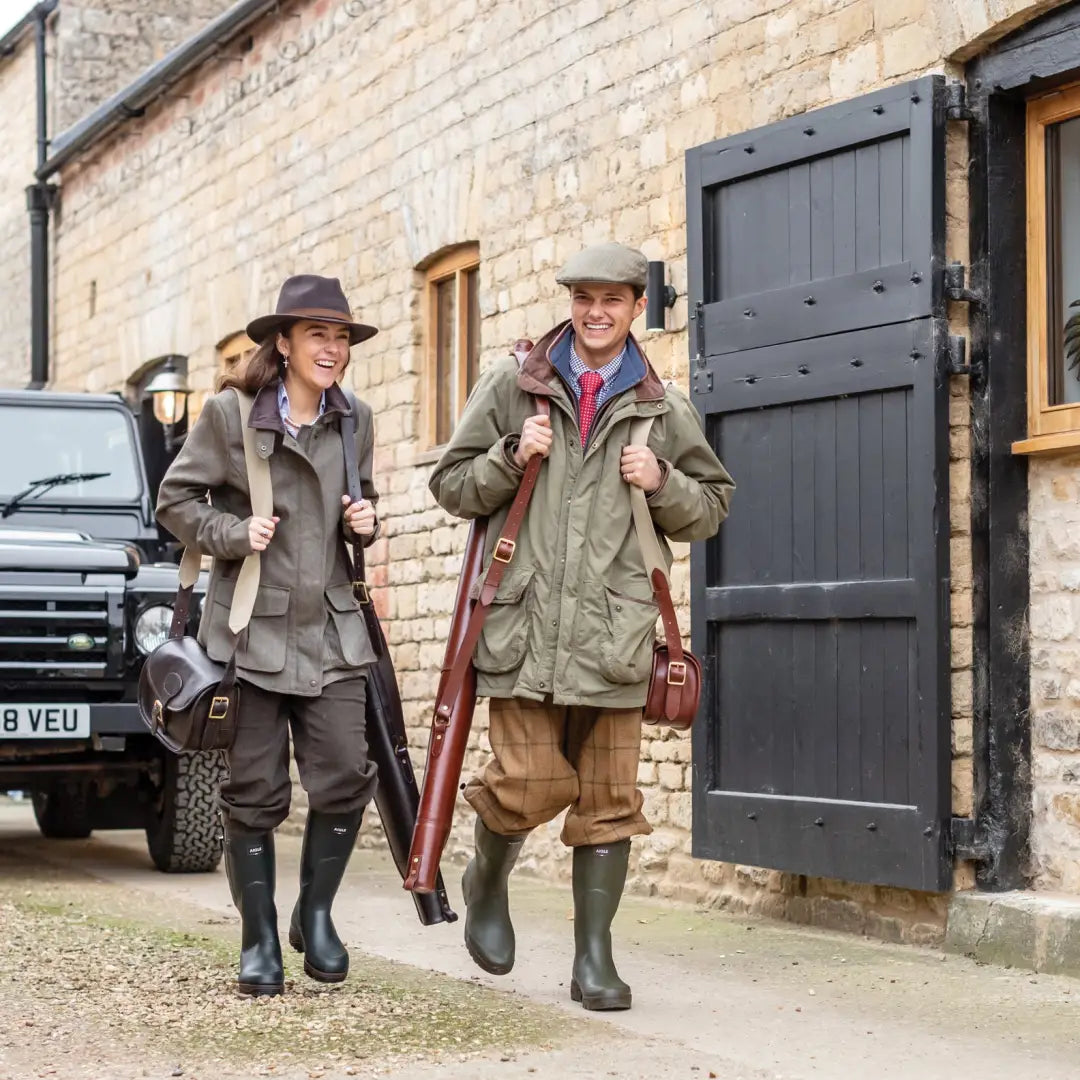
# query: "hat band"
316,313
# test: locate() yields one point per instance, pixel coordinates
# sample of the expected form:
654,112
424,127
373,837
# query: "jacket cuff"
510,444
237,539
665,473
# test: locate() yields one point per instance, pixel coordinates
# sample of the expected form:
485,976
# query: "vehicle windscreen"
38,441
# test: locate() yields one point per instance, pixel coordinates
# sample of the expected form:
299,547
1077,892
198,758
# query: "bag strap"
655,564
247,582
502,555
355,547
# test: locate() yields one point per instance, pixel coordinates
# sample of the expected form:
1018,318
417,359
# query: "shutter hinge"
956,107
701,379
956,285
965,841
956,355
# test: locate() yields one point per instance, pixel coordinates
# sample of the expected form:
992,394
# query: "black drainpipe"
39,200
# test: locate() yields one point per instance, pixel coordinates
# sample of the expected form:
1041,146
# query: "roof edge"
10,41
153,83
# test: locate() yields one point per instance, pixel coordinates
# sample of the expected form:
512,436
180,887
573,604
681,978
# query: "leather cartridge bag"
675,682
188,701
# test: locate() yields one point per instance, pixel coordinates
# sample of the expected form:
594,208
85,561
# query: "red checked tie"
590,384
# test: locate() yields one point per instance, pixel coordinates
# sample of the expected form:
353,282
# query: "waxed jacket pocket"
505,637
626,653
347,620
267,634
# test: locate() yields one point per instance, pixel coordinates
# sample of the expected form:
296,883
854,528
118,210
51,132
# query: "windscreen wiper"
39,487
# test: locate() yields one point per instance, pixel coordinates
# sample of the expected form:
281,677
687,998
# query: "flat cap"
605,262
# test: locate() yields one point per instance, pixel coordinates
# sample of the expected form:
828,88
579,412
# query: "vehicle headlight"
152,627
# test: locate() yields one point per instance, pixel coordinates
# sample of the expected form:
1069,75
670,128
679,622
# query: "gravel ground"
98,983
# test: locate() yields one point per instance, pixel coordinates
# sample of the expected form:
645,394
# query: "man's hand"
640,468
261,532
535,439
359,516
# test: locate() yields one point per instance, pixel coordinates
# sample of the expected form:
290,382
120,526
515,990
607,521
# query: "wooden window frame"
234,347
1050,427
456,264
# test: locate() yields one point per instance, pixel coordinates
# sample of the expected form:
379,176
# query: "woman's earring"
285,360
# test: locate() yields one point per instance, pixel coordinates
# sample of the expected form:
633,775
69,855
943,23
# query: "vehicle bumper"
116,719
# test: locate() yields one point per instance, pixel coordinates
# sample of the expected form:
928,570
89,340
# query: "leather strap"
502,555
356,546
247,582
656,566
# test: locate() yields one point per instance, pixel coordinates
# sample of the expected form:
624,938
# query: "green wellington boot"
329,840
489,933
599,877
249,864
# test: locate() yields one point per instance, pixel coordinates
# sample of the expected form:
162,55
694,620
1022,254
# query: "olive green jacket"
306,628
574,617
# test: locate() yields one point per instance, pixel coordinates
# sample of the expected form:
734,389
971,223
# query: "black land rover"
85,594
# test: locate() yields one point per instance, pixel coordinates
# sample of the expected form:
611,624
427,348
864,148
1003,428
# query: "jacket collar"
550,359
265,415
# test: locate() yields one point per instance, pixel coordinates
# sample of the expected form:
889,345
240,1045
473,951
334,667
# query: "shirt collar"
578,367
283,408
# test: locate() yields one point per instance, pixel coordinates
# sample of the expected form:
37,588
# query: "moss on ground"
139,973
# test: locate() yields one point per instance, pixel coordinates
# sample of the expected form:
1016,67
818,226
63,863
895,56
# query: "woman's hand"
359,516
261,532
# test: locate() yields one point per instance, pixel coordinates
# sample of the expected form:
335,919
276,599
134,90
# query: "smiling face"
601,314
318,354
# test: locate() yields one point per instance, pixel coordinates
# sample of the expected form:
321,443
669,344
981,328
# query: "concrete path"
713,995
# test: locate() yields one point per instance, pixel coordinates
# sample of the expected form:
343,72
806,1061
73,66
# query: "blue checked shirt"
283,409
578,367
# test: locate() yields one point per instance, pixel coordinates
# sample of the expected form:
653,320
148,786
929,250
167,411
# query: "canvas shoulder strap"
655,564
262,505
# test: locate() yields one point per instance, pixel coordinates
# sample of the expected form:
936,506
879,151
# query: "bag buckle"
676,673
504,554
219,703
360,592
157,713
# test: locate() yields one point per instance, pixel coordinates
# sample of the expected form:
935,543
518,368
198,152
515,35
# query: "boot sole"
261,989
608,1002
478,958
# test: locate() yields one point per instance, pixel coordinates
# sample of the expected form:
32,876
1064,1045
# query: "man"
566,650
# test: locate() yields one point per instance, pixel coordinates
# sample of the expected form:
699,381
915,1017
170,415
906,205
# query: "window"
1053,274
235,350
452,339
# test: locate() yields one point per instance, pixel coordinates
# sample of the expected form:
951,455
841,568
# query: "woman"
302,658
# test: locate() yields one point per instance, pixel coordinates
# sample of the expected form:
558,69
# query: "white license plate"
44,721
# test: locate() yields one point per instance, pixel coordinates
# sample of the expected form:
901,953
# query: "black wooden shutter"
818,360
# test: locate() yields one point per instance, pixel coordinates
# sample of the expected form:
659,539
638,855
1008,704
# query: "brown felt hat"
308,296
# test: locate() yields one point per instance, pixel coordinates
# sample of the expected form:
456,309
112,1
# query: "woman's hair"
263,366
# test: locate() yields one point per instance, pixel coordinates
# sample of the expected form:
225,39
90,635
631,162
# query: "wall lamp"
658,296
168,391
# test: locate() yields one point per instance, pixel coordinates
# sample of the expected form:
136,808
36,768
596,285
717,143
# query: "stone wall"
19,134
94,48
102,45
1054,512
358,138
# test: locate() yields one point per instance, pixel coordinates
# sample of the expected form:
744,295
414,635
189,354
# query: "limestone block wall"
358,138
1054,512
102,45
18,134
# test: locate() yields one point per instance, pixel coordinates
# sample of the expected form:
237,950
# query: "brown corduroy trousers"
550,757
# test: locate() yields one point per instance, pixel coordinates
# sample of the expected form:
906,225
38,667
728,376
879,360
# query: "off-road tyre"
186,839
63,811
